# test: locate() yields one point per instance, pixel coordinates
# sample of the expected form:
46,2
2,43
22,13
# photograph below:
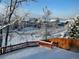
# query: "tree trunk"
1,37
7,30
7,33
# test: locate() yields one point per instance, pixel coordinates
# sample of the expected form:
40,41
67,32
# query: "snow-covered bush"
74,29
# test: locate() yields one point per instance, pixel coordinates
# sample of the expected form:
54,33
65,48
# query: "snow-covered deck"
41,53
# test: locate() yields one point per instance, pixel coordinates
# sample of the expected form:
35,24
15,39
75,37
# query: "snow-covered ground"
41,53
32,34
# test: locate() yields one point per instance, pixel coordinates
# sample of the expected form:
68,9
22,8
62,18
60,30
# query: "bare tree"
1,36
12,6
46,16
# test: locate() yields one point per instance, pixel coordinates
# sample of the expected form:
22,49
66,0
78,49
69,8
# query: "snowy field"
32,34
41,53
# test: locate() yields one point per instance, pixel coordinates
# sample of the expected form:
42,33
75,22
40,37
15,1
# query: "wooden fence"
65,43
59,42
11,48
45,44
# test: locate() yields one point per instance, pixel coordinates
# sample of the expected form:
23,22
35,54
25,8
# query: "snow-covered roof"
52,20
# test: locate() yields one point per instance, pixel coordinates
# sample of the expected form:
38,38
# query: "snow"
14,38
32,34
41,53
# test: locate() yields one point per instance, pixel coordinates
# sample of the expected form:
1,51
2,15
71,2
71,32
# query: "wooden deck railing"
66,43
59,42
18,46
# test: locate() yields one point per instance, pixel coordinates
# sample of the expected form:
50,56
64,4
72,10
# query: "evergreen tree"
74,29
